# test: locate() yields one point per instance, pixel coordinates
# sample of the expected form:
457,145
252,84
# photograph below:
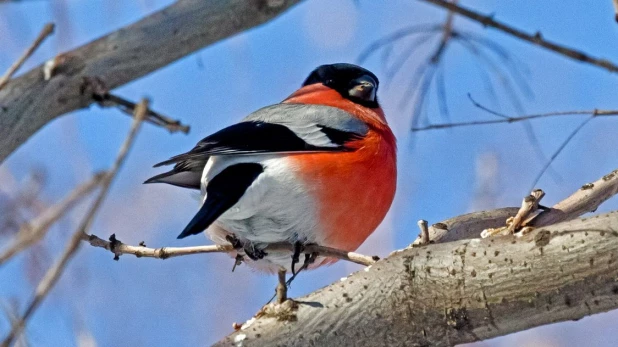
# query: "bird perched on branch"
317,168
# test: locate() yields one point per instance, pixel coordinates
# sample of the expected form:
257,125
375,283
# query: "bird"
317,168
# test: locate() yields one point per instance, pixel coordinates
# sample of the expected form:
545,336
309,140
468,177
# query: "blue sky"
194,300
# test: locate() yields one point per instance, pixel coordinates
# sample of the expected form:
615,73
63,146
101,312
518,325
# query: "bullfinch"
317,168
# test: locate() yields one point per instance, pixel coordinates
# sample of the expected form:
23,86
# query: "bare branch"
447,33
593,113
100,93
128,107
34,230
561,147
119,248
536,39
507,119
47,30
29,101
586,199
53,274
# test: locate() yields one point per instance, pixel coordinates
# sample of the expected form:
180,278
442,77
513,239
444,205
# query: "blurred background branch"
536,39
53,274
47,30
34,230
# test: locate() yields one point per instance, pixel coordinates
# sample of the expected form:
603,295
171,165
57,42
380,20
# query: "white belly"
275,208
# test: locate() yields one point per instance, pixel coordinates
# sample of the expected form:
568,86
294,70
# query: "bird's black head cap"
351,81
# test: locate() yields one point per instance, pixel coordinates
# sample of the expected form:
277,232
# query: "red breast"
355,189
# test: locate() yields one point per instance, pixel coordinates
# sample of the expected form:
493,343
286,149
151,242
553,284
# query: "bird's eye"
363,88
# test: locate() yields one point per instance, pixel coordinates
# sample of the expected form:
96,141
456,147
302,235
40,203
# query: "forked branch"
536,39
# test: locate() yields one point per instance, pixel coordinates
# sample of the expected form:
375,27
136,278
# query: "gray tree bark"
456,292
29,102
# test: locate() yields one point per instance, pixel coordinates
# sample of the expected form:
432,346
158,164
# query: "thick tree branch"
29,102
450,293
536,39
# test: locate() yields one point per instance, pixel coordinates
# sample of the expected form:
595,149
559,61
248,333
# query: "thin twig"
532,137
54,273
397,35
128,107
536,39
593,113
561,147
447,32
47,30
119,248
34,230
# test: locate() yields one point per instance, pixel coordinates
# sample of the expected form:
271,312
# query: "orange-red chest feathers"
355,189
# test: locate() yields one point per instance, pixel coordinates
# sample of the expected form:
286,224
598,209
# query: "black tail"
184,179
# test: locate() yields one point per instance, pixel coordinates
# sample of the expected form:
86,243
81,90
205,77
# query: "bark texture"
455,292
29,102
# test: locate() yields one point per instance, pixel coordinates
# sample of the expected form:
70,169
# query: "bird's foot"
298,247
248,248
234,241
252,252
309,259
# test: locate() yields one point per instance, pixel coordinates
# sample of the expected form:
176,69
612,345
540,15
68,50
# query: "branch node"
163,254
113,245
525,215
424,226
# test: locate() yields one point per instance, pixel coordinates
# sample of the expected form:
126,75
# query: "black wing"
244,138
223,191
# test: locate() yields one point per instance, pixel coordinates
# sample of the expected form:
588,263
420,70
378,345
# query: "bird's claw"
298,246
254,253
249,250
234,241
